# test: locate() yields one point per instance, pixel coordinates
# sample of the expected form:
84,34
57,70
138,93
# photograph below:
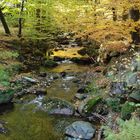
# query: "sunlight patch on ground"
68,53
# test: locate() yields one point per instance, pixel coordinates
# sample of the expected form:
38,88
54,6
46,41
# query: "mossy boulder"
113,103
127,109
133,79
88,105
135,96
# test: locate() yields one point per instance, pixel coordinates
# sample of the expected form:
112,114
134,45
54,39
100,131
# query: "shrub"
4,77
8,55
114,104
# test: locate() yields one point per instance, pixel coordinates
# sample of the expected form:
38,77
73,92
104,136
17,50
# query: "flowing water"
25,121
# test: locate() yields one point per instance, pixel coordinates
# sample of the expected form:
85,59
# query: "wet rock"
88,106
61,111
63,39
82,51
42,74
21,93
55,77
63,74
80,96
77,81
83,61
126,110
82,90
68,77
50,63
135,65
31,80
135,96
56,106
3,130
114,54
78,41
118,88
57,58
133,79
41,92
80,130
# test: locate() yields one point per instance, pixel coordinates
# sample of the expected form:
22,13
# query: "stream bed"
28,120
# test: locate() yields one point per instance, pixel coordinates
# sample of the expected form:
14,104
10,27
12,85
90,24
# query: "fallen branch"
100,131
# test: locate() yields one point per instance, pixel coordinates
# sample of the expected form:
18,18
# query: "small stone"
42,74
61,111
28,79
80,96
118,88
63,74
82,90
3,130
41,92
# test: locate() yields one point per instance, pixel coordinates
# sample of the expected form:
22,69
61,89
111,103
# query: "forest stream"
63,82
70,101
69,70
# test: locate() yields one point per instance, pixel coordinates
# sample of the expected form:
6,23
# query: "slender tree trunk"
135,15
38,17
4,23
94,9
114,14
20,19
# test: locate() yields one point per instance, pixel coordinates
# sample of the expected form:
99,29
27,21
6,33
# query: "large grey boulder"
80,130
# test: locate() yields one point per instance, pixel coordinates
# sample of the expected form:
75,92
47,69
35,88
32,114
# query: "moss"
127,109
128,130
8,55
4,77
91,104
24,125
114,104
6,96
50,63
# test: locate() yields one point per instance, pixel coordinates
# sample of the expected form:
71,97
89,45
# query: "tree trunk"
4,23
114,14
20,19
135,15
38,17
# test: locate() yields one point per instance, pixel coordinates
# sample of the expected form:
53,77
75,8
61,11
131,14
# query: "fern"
129,130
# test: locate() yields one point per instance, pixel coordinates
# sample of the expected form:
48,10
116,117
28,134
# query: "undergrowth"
128,130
